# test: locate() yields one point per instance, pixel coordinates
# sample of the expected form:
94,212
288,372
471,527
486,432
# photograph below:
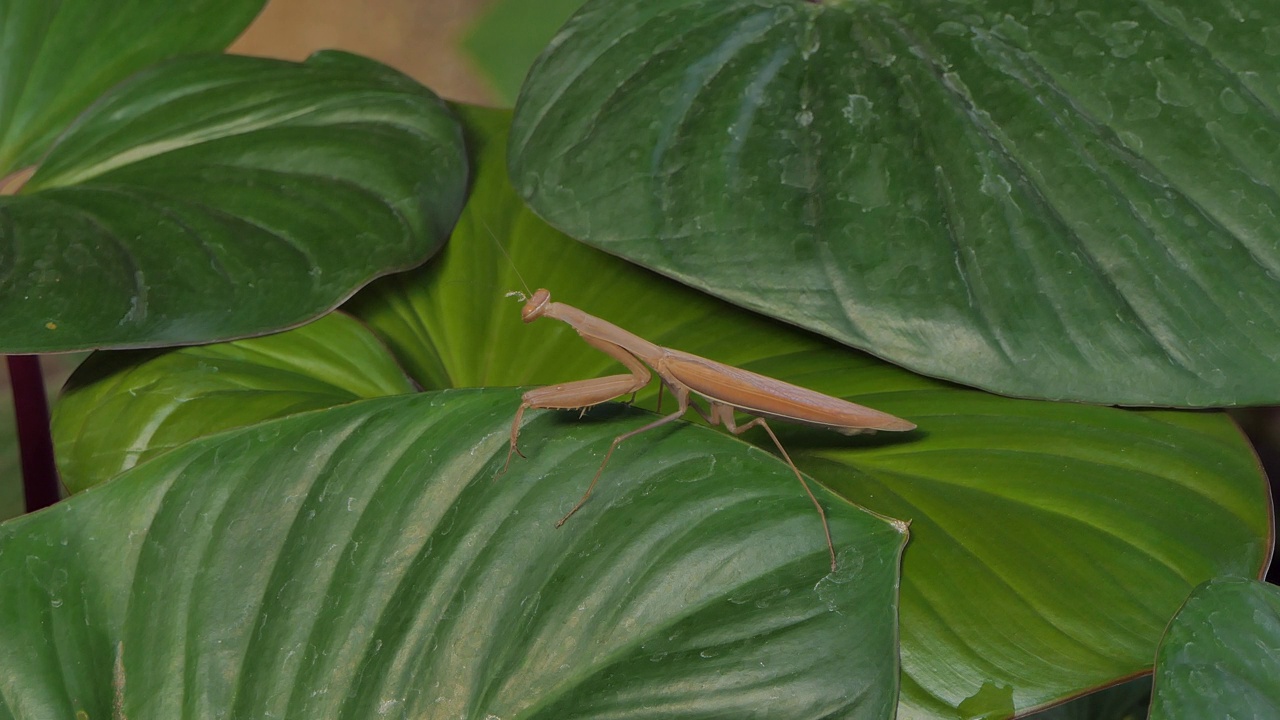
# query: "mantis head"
536,305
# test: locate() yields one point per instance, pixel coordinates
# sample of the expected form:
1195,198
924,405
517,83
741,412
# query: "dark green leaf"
1067,202
508,37
1126,701
1051,541
123,408
58,57
363,562
1221,655
219,197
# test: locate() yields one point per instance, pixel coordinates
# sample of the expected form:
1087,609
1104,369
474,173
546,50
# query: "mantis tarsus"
725,388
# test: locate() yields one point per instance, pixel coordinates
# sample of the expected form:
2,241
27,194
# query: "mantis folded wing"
725,388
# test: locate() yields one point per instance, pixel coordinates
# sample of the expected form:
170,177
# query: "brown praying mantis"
725,388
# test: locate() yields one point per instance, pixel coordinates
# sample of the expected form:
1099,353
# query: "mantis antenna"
527,292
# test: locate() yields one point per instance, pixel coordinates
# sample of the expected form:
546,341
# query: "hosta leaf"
1221,654
1051,541
219,197
1126,701
1054,539
362,561
122,408
58,57
1041,199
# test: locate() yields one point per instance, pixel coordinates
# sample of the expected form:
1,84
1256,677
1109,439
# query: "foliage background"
430,39
436,42
421,39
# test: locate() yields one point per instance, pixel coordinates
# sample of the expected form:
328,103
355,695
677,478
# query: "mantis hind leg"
724,415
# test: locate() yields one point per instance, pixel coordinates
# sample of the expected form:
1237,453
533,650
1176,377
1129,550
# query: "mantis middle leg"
612,446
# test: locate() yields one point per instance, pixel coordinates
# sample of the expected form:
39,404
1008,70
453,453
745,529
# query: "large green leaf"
362,562
217,197
58,57
1045,200
1221,655
1053,541
1126,701
122,408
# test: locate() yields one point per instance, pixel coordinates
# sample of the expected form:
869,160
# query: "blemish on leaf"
118,682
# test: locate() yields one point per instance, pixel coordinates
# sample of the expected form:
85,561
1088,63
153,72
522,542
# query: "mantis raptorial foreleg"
571,396
582,393
725,387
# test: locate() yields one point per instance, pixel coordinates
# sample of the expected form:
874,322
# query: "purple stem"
35,443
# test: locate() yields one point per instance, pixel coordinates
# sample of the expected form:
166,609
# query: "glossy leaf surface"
1040,199
1221,654
58,57
123,408
1051,542
362,562
1126,701
221,197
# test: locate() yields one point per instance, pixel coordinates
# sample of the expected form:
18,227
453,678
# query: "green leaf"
362,561
1050,542
58,57
122,408
220,197
1126,701
1221,654
508,37
1064,203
